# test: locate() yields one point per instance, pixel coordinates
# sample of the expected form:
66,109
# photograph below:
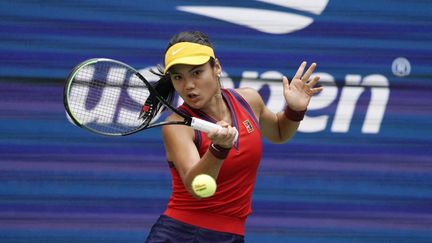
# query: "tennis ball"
204,185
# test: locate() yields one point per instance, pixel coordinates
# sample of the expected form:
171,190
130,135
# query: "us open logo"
264,20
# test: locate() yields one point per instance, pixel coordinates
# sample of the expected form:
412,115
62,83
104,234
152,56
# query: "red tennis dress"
227,209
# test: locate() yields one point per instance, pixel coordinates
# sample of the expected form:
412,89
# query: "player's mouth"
192,97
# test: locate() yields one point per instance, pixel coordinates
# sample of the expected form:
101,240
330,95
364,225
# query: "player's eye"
176,77
197,72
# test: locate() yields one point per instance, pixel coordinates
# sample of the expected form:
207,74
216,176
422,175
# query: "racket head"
109,97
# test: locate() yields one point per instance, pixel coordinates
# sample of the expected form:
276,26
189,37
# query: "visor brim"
192,60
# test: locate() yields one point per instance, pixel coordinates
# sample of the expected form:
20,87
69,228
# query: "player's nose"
189,84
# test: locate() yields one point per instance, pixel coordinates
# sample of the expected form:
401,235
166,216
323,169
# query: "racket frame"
188,121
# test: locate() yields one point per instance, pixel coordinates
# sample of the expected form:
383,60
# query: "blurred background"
358,170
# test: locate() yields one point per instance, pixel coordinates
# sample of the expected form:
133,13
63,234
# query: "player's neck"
218,109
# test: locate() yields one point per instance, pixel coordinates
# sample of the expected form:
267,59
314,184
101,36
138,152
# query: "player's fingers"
222,123
285,82
223,132
300,70
229,132
233,133
314,81
227,139
308,73
317,90
212,134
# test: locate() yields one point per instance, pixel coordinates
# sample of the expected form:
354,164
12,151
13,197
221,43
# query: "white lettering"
378,103
347,104
354,87
130,111
103,112
349,97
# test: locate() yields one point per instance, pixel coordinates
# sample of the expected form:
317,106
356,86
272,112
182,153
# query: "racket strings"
108,98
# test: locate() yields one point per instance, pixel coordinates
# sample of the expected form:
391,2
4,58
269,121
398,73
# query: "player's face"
196,85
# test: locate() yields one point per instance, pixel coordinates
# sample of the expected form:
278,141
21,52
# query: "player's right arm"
182,151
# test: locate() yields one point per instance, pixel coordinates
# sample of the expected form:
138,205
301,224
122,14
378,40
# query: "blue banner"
359,168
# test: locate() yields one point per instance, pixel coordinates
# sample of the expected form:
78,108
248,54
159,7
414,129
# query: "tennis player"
193,71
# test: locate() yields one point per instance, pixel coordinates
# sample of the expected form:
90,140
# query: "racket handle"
207,127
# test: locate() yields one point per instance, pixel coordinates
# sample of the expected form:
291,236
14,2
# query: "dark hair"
190,36
164,85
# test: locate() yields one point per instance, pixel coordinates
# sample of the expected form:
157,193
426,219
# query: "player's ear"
217,67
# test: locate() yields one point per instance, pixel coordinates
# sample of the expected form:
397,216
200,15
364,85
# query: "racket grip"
207,127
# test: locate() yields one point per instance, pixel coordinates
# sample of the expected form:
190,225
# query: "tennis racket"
111,98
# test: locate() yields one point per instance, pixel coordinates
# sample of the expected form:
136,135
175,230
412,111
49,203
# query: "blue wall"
359,169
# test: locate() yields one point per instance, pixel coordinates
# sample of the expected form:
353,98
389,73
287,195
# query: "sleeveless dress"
227,210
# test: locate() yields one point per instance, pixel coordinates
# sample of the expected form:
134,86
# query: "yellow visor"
187,53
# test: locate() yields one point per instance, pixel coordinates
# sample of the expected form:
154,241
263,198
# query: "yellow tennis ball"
204,185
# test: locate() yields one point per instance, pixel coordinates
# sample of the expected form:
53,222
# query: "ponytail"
164,87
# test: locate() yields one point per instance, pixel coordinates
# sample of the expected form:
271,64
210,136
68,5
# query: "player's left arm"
274,126
277,127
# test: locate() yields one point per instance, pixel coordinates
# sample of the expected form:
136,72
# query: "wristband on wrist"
218,151
294,115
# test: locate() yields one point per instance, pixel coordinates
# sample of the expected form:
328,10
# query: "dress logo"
248,126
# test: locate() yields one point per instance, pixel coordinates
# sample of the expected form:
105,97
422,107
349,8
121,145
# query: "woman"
192,70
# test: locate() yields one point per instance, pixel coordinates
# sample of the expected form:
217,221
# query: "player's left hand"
299,91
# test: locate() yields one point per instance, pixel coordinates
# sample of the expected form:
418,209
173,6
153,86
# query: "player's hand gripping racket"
111,98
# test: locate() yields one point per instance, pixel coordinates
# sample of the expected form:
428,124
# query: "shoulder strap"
243,103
